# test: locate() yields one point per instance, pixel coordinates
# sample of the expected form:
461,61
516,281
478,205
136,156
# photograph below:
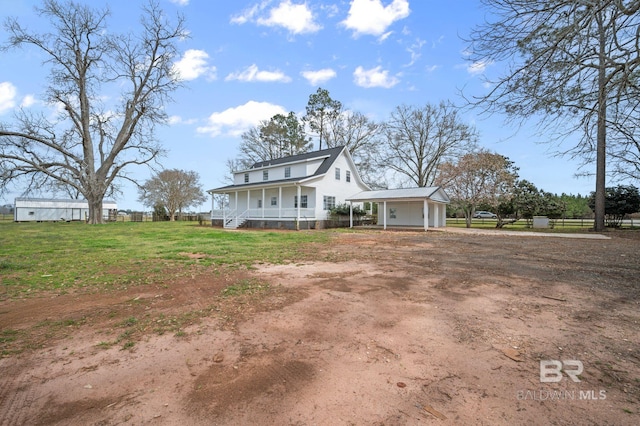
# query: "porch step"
234,223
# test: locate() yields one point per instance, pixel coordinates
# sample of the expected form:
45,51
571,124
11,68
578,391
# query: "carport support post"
350,214
425,210
384,215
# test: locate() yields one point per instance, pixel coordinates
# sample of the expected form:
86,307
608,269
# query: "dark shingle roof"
331,154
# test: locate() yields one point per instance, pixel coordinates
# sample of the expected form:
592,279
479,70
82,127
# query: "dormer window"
246,178
337,173
265,175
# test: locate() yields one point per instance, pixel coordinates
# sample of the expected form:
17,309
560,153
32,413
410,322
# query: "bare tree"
90,145
418,140
477,178
574,65
360,135
173,189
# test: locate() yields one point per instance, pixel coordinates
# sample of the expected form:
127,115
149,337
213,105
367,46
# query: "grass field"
37,257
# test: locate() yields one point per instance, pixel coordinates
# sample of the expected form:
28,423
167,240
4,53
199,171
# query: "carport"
425,207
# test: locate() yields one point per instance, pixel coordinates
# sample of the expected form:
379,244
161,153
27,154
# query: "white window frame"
328,202
347,176
265,175
246,178
337,173
274,201
287,172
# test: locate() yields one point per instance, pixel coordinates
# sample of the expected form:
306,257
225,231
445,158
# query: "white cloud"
235,121
296,18
478,67
415,51
372,18
252,73
193,64
27,101
176,119
8,94
320,76
249,14
180,2
375,77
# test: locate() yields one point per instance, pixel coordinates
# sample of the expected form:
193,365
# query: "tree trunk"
95,210
599,224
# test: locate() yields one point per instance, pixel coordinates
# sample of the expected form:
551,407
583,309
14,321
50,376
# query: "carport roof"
434,193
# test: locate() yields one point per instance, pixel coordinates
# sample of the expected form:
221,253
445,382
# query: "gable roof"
330,155
434,193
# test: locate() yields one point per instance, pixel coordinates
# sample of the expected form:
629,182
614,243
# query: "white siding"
341,189
27,210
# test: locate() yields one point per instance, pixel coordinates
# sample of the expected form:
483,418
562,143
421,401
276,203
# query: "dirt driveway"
393,328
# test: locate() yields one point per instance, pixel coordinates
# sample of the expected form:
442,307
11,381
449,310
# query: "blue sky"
247,60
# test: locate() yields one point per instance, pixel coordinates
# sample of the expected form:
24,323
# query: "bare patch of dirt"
375,328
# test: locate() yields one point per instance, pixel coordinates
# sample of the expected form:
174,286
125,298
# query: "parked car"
484,215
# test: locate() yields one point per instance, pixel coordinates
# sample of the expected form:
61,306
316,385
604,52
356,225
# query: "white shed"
43,210
423,207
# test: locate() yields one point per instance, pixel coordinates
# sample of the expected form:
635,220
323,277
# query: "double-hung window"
246,178
347,176
303,201
265,175
337,173
287,172
328,202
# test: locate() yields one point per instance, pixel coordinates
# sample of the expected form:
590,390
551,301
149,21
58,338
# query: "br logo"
551,370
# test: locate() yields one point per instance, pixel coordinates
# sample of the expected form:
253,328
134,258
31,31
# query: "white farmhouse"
293,192
45,209
297,192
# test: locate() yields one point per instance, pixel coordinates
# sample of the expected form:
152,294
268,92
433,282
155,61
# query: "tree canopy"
478,178
278,137
90,144
620,201
173,190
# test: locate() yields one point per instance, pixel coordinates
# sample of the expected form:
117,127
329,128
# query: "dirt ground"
375,328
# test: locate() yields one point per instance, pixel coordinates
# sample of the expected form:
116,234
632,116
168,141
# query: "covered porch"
235,206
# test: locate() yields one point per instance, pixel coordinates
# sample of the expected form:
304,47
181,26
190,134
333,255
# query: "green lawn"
57,256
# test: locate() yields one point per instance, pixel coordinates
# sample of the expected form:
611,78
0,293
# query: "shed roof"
434,193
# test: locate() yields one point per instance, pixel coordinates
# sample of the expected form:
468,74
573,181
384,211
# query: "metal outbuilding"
48,209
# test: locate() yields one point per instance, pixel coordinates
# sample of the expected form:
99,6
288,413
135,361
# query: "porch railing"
267,213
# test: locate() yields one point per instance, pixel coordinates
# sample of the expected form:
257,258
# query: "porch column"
384,215
299,204
248,201
224,211
426,214
279,202
350,214
263,202
436,215
236,209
